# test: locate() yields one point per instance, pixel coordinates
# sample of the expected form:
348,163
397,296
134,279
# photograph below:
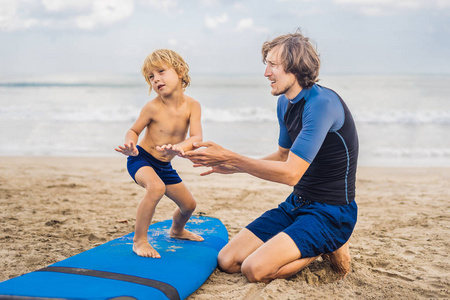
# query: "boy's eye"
160,71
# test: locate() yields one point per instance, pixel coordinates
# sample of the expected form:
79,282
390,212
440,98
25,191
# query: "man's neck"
293,91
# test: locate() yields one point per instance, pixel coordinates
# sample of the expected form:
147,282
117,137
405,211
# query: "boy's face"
164,80
280,81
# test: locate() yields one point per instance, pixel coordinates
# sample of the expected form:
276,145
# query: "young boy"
167,119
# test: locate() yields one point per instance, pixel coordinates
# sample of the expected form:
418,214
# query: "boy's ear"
181,72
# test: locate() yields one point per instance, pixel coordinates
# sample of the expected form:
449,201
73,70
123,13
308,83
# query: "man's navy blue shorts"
162,168
315,227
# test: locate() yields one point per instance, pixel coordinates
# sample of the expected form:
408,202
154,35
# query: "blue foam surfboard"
114,271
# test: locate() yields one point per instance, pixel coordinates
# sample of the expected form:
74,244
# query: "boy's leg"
155,188
180,194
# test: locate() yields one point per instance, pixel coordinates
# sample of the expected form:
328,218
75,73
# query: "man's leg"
237,250
277,258
340,260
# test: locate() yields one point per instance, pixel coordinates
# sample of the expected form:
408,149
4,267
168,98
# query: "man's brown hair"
298,56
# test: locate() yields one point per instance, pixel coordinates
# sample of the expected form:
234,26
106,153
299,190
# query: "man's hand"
170,150
128,149
212,155
220,169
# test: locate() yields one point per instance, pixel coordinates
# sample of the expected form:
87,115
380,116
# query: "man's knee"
254,271
227,262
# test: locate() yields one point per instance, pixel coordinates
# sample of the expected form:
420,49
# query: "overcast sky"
221,36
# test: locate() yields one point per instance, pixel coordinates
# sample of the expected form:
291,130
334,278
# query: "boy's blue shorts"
315,227
162,168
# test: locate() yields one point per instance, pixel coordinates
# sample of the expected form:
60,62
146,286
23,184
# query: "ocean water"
401,120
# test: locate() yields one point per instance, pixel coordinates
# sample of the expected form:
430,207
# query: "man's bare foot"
340,260
186,235
143,248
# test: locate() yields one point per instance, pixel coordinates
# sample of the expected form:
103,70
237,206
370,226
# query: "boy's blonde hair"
169,57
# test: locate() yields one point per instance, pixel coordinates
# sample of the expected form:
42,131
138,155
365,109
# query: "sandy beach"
56,207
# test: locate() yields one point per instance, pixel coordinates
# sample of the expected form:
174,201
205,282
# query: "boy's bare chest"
170,122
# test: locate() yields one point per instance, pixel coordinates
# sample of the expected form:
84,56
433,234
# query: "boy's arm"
129,147
195,128
131,138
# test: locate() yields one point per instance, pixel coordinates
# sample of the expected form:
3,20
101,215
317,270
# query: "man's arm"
281,154
282,167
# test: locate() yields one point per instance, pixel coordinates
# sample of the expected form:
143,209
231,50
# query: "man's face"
280,81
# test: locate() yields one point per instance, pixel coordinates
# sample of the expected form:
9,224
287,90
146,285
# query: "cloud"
162,6
55,14
247,24
209,3
389,7
172,42
213,23
62,6
9,20
105,12
443,4
310,11
240,7
244,24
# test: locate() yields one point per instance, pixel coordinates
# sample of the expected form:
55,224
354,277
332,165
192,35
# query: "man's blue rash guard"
318,127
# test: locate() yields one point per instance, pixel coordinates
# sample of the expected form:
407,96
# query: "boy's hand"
128,149
170,150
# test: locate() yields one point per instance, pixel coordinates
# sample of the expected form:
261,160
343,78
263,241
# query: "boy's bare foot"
340,260
186,235
143,248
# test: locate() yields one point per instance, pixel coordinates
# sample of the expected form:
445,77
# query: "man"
317,154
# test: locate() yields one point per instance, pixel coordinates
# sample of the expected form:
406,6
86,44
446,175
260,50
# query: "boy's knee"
156,189
188,208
